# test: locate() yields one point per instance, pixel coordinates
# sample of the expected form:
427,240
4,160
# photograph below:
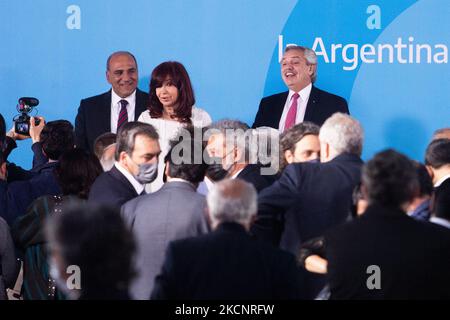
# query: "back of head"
424,179
437,154
102,142
232,200
390,179
185,156
56,138
343,133
127,134
95,239
77,172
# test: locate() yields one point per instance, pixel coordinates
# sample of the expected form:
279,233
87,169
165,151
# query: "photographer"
8,143
56,137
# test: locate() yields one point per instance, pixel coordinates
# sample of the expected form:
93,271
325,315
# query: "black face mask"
216,172
317,160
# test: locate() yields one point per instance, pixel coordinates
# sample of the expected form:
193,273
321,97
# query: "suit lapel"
119,176
312,106
276,113
104,119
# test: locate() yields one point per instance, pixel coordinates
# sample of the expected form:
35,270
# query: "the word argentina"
402,52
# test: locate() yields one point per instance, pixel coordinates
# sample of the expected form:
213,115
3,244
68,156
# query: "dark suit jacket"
176,211
441,203
308,198
321,105
94,117
112,188
226,264
413,257
252,174
15,197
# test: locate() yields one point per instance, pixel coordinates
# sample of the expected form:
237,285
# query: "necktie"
292,113
123,115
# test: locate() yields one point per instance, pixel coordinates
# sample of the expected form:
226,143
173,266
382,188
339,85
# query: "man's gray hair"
343,133
310,57
232,200
237,134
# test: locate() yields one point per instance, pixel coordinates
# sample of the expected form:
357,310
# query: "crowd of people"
147,198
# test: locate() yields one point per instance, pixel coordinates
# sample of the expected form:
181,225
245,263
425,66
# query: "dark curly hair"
390,179
96,239
56,138
290,137
180,78
77,172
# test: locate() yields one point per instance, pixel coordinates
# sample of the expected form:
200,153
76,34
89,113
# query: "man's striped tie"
123,115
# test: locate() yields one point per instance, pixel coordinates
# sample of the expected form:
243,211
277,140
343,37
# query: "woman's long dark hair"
180,78
77,172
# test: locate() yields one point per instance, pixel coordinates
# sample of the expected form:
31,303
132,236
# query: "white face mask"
147,172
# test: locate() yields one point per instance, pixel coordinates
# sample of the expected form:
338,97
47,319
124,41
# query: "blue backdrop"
56,51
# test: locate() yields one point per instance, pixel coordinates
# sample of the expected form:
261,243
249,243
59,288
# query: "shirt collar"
304,93
115,98
440,221
234,176
441,180
136,185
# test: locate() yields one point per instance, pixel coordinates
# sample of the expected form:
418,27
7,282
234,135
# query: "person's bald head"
443,133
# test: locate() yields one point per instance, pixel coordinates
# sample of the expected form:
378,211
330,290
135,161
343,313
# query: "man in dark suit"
230,142
227,263
385,254
137,151
303,101
312,197
437,160
108,111
176,211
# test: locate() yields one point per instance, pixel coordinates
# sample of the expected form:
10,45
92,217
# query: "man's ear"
430,172
107,76
166,169
289,156
122,159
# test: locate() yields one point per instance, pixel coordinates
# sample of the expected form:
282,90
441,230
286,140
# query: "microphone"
28,101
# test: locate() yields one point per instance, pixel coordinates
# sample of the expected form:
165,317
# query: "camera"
22,120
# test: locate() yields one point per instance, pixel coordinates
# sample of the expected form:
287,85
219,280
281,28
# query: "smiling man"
303,101
109,111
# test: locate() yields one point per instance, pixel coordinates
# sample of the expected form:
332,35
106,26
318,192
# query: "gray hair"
232,201
126,136
343,133
310,57
237,134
